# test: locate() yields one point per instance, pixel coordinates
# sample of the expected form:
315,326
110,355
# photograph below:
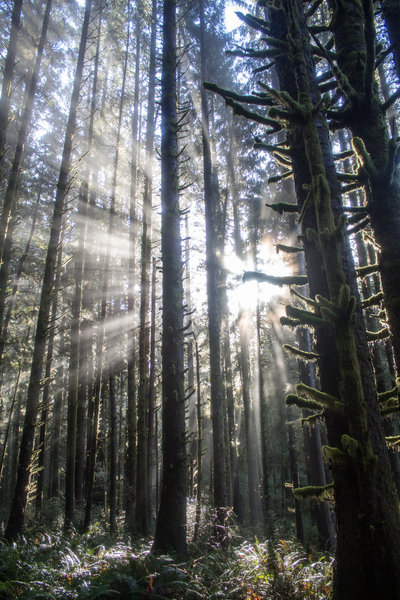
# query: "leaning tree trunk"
16,520
10,199
170,534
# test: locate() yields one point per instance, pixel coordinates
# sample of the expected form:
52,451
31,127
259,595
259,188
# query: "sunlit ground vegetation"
50,565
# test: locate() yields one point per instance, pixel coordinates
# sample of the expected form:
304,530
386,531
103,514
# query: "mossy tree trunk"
365,115
367,546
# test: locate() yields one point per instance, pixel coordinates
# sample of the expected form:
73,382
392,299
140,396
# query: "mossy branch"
308,301
246,98
338,457
388,394
300,402
359,227
315,492
382,334
302,354
293,323
255,23
258,145
343,155
312,419
304,317
281,177
393,440
364,157
374,300
390,410
322,398
390,101
367,270
288,249
281,207
263,277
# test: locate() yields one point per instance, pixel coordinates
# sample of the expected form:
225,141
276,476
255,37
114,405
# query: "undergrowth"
53,566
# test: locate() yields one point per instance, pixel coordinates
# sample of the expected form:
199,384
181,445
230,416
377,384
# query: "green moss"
350,445
315,492
294,399
302,354
322,398
338,457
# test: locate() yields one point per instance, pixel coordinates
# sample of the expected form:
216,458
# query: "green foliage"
93,566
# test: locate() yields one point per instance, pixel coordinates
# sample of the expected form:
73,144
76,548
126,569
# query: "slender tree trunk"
46,388
142,510
199,448
170,534
214,316
130,461
16,520
54,478
152,396
112,500
83,327
7,78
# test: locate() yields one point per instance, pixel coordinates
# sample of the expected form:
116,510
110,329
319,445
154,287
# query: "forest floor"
50,565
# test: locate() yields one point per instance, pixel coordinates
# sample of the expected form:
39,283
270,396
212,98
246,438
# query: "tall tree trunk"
214,315
152,396
80,302
368,547
170,534
16,520
130,460
354,34
7,78
199,447
46,388
54,477
142,511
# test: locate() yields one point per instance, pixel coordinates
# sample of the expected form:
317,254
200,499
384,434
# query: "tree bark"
170,534
213,300
142,510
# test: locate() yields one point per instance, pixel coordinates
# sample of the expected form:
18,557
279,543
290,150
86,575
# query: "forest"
200,299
